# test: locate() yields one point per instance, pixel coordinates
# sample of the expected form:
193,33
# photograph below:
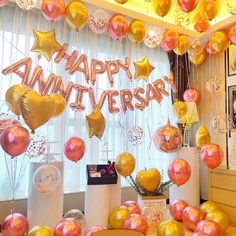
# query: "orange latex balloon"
209,9
121,1
76,14
210,50
137,31
162,7
219,41
169,40
198,59
232,34
183,45
200,24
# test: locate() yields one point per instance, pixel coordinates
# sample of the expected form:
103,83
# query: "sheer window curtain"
16,40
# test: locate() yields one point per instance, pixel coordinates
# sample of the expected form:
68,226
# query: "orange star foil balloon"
95,123
143,69
45,43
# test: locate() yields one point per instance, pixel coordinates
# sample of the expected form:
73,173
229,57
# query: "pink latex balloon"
187,5
53,10
14,225
15,140
232,34
192,95
7,122
118,26
95,229
210,50
3,2
192,216
133,207
74,149
209,227
68,227
212,155
176,209
169,40
137,223
179,171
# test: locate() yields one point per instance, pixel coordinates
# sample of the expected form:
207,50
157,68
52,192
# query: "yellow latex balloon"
198,59
180,109
183,45
202,136
13,97
209,206
209,9
219,41
121,1
60,104
143,69
125,164
95,123
148,180
45,43
40,230
36,109
170,228
118,216
220,218
162,7
76,15
137,31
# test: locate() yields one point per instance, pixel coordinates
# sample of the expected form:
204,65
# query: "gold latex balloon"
170,228
219,41
121,1
40,230
143,69
198,59
95,123
45,43
162,7
137,31
180,109
13,97
125,164
220,218
209,206
60,104
118,216
202,136
209,9
36,109
183,45
76,15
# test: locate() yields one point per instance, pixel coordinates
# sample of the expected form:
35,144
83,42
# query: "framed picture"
231,60
232,103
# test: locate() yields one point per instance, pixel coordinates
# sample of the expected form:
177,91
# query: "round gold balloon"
198,59
209,206
209,9
36,109
203,136
183,45
219,41
220,218
118,216
40,230
180,109
170,228
125,164
162,7
137,31
60,104
76,15
13,97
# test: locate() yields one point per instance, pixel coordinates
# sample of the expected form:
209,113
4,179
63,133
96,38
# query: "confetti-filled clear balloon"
196,48
26,4
222,123
181,18
46,178
231,6
153,37
135,135
215,85
37,146
98,21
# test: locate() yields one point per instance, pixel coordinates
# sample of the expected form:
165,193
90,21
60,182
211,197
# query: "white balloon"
98,21
26,4
153,36
135,135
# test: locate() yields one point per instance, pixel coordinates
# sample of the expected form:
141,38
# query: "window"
16,40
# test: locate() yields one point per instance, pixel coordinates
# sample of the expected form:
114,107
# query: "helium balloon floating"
179,109
232,33
196,48
98,21
137,31
40,230
222,123
60,104
192,95
203,137
209,9
135,135
210,50
26,4
153,37
187,5
169,40
200,24
183,45
125,164
198,59
219,41
176,209
121,1
162,7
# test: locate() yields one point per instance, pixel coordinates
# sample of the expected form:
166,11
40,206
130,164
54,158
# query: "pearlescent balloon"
26,4
176,209
98,21
153,37
46,178
222,123
210,228
135,135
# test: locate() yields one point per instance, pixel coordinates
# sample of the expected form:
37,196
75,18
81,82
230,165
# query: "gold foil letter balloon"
125,164
162,7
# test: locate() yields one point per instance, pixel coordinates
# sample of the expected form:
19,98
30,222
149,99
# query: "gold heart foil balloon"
202,136
60,104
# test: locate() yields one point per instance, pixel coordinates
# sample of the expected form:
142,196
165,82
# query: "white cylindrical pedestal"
45,209
190,191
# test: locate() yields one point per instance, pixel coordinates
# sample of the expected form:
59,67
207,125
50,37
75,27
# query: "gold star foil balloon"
143,69
45,43
203,136
95,123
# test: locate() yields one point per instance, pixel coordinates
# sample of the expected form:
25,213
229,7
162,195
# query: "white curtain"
16,40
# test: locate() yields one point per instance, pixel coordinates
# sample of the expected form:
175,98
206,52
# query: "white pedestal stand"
45,209
190,191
